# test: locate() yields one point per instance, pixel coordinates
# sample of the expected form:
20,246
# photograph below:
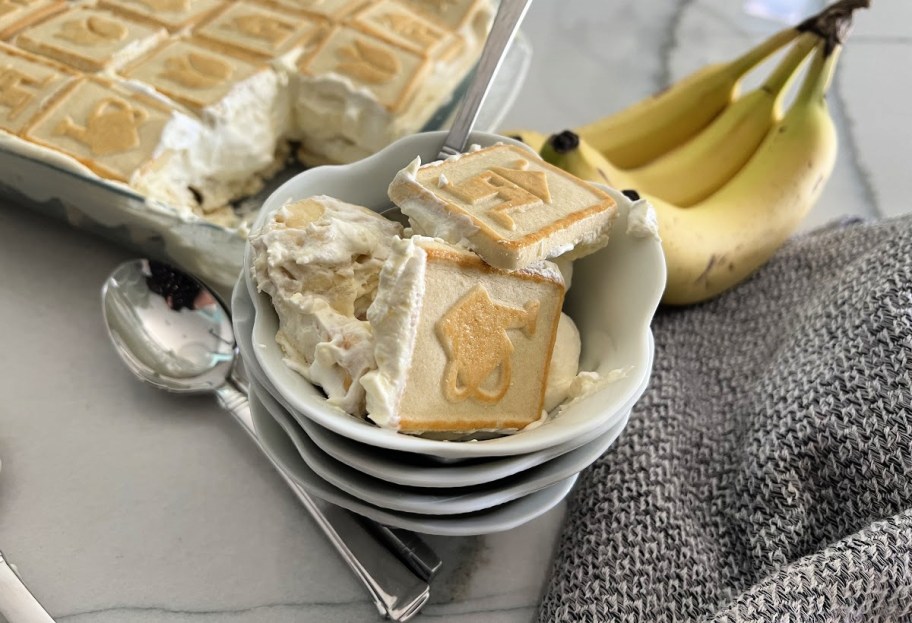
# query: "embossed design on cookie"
112,127
474,336
260,27
166,6
410,28
368,63
14,89
197,71
517,188
93,30
441,6
8,6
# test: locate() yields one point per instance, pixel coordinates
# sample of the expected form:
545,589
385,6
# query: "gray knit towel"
766,474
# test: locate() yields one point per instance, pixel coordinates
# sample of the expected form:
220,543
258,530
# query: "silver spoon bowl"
172,332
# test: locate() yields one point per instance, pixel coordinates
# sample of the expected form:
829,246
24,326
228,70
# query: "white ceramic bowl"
494,519
434,501
613,298
405,468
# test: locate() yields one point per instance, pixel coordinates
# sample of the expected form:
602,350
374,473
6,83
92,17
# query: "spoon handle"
17,604
509,15
396,591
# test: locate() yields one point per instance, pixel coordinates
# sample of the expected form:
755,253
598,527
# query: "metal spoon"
175,334
509,15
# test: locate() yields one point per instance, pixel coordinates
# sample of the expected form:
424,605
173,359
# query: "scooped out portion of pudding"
319,259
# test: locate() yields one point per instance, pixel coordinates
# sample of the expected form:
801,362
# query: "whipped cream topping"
394,319
642,221
564,363
224,153
320,260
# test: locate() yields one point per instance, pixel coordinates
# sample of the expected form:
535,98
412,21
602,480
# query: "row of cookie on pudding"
191,102
453,325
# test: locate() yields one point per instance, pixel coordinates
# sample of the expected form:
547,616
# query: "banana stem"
834,22
786,69
757,54
819,74
829,69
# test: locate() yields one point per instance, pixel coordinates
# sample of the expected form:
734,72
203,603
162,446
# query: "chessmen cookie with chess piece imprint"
506,204
27,82
90,39
460,346
319,260
108,129
175,15
259,31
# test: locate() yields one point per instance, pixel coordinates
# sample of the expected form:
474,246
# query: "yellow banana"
718,242
533,139
640,133
573,154
701,166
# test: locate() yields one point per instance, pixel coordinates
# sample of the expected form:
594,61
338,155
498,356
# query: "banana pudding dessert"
195,103
422,334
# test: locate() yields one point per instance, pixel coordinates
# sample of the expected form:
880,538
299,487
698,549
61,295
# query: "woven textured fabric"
766,474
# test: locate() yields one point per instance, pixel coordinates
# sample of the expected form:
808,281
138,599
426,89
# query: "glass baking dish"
212,252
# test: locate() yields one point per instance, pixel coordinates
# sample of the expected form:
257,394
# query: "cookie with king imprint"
510,206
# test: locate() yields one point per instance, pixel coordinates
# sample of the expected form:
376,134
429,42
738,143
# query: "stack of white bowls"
453,487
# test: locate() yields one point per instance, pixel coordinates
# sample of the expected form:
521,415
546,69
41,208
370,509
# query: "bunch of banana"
730,176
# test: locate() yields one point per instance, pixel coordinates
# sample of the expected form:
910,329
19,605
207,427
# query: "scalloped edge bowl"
613,298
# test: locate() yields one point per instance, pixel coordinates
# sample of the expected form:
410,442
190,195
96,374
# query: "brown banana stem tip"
564,142
833,23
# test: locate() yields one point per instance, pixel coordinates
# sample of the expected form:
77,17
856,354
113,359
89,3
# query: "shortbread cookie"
17,14
90,39
460,346
191,73
174,15
110,130
454,14
242,108
257,30
335,10
319,260
510,206
394,21
26,83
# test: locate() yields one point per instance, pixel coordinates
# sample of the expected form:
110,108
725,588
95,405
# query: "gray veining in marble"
122,504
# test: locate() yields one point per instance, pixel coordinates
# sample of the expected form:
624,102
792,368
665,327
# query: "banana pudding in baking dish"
195,103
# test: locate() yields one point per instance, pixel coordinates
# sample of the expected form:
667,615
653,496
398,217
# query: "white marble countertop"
123,504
